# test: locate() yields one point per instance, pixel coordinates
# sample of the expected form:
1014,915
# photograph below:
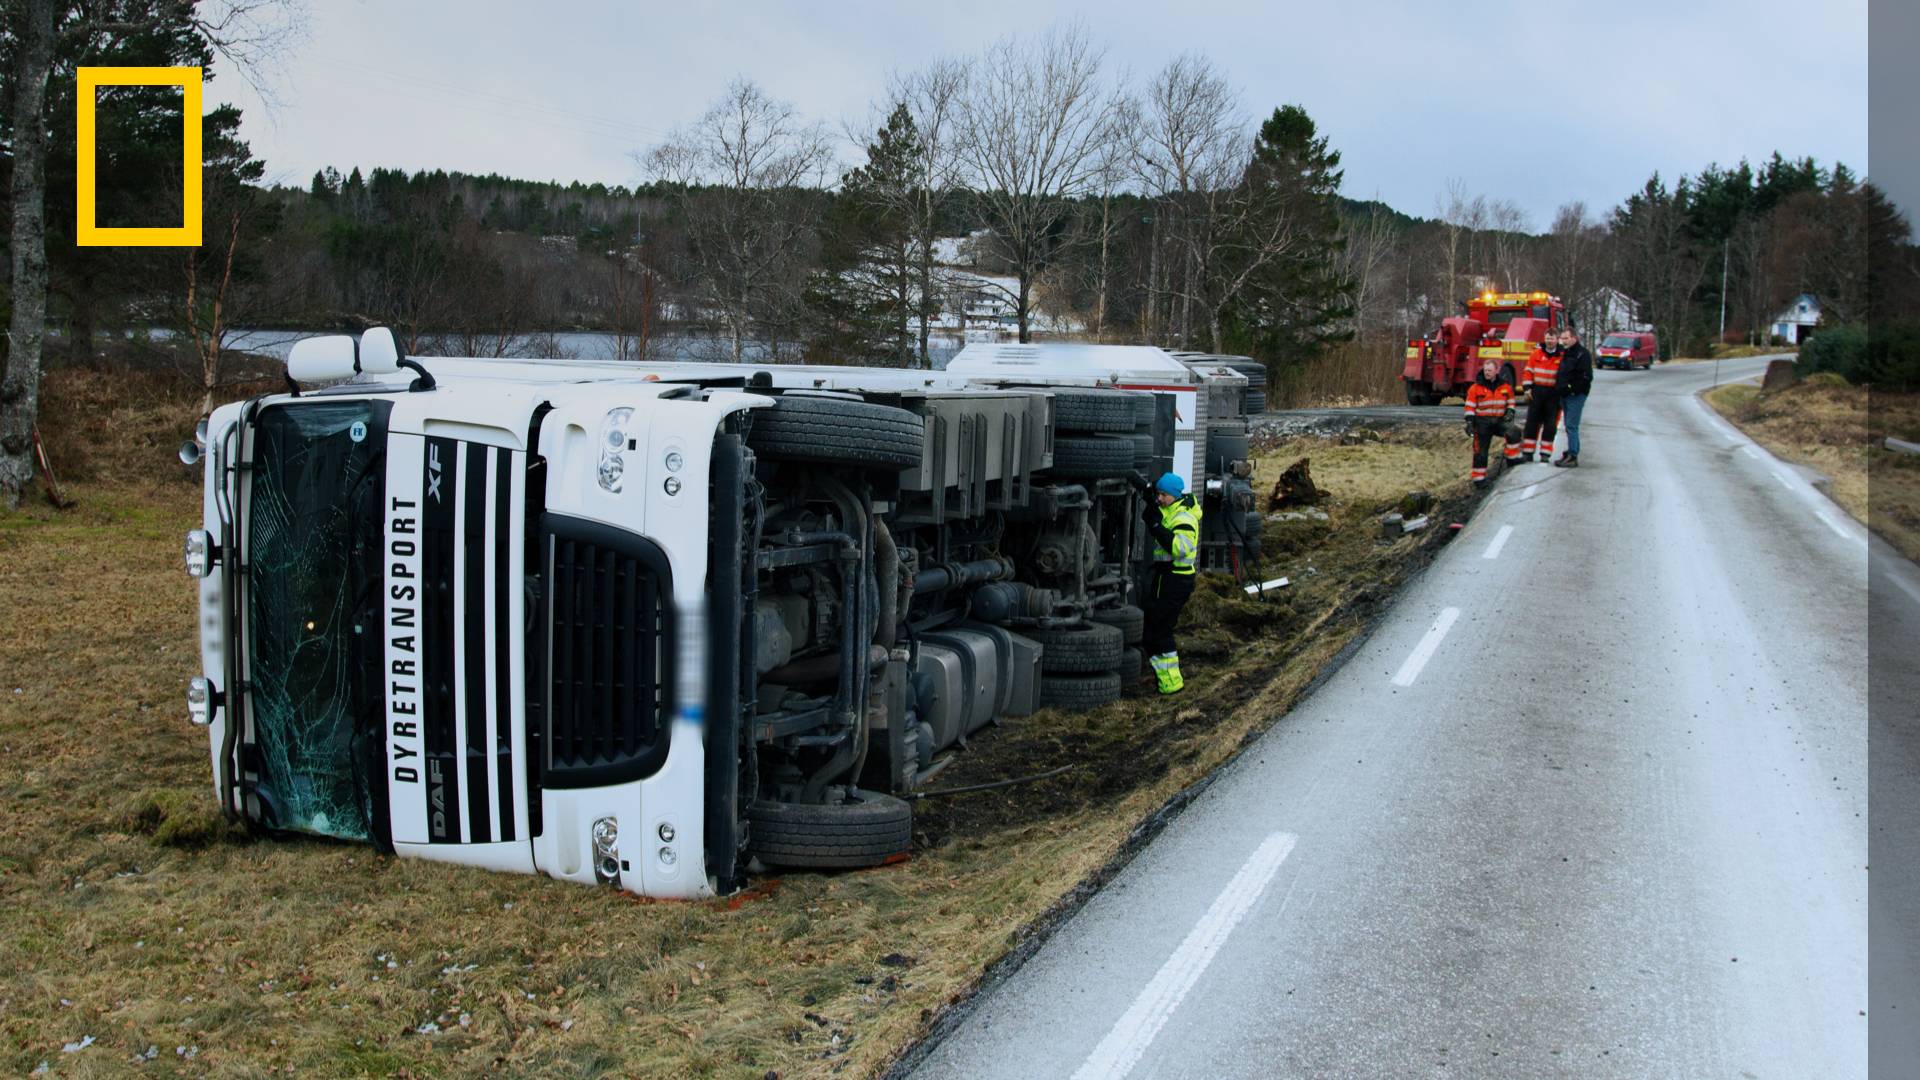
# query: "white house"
1796,323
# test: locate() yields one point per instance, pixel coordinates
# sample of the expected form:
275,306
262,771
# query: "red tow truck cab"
1504,326
1629,349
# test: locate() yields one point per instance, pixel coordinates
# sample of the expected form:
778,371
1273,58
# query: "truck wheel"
1131,620
1132,663
1254,370
1417,395
1081,648
1092,456
1142,450
866,830
1224,447
1251,527
1093,410
834,431
1144,406
1256,402
1077,692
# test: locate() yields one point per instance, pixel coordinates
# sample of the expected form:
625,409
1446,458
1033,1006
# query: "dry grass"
1346,375
1736,352
134,916
1826,424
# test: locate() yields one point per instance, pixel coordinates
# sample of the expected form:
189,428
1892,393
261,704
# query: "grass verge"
132,916
1827,424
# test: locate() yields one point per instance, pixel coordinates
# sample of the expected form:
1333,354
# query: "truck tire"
1092,456
1132,663
866,830
1250,529
1417,394
834,431
1092,411
1224,447
1131,620
1256,402
1078,692
1254,370
1080,649
1142,450
1144,406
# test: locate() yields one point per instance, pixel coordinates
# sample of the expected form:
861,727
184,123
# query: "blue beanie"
1171,484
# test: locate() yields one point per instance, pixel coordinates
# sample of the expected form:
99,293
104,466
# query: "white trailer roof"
1069,363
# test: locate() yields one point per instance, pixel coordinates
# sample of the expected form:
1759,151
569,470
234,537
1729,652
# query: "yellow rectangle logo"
88,234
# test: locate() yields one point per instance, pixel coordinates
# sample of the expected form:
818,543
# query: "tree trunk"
1020,308
26,333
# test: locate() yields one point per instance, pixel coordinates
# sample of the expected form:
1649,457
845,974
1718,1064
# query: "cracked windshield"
312,610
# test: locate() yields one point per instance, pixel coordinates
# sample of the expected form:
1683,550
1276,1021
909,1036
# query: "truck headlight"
200,701
199,553
613,442
606,837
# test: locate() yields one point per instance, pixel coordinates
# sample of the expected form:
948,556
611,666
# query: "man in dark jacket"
1573,382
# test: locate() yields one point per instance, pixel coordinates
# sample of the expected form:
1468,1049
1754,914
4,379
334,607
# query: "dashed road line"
1117,1054
1499,541
1423,652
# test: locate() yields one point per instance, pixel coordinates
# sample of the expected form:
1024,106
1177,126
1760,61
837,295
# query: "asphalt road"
1590,802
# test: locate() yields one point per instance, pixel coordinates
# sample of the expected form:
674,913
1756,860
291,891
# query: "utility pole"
1726,246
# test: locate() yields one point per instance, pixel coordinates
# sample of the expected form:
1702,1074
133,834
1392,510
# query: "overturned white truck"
645,624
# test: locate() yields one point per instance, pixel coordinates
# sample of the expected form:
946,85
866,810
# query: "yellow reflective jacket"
1182,519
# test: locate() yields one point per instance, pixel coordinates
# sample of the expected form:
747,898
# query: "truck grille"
609,655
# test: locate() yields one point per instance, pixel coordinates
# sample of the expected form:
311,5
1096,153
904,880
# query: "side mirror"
379,352
323,359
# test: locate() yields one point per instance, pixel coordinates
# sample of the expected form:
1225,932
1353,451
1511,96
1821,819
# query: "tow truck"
1502,326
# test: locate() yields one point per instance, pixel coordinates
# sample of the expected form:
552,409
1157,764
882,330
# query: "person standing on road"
1543,409
1489,411
1173,519
1572,383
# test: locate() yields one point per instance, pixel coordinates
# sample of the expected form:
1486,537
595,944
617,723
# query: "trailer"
654,626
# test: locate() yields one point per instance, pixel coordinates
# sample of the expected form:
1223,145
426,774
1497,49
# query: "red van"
1627,349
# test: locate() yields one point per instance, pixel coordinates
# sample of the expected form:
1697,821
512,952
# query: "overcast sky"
1542,103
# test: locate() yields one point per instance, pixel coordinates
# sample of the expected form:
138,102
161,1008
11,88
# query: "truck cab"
652,626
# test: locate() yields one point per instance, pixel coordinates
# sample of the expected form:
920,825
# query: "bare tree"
1029,126
1457,212
1365,257
742,172
1190,147
1510,224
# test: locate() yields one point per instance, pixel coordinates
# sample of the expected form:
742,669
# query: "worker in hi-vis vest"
1173,518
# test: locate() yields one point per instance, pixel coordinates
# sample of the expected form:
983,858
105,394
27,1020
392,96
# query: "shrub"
1839,349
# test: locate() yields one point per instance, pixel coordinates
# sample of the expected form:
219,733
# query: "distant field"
133,917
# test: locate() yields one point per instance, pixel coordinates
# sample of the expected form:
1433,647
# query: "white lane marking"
1121,1049
1785,483
1835,524
1751,451
1499,541
1530,492
1423,652
1913,593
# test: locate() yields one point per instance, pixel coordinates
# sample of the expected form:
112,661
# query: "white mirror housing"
379,352
323,359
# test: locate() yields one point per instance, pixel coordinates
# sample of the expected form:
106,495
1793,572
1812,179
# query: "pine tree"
1301,302
864,294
